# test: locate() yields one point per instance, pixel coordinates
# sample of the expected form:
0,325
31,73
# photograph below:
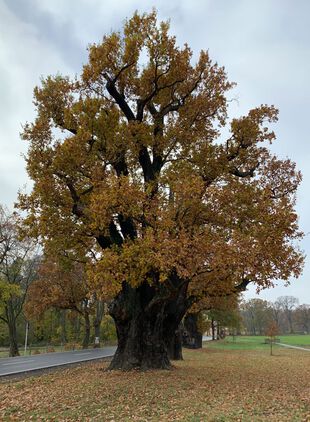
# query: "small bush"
72,346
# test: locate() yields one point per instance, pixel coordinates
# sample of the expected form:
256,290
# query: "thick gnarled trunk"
173,341
192,337
173,326
139,320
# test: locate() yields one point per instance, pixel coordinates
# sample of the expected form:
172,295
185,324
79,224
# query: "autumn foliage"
62,288
132,177
271,332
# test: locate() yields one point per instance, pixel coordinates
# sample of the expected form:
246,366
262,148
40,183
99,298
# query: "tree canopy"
133,177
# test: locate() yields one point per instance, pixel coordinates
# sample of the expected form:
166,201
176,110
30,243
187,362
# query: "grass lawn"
296,340
211,384
4,353
239,343
257,342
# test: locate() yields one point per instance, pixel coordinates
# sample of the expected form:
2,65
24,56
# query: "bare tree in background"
256,314
288,304
302,318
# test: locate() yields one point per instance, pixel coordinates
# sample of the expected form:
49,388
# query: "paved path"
293,347
206,338
20,364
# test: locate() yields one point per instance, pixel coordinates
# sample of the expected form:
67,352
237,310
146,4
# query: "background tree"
257,316
99,313
193,330
63,287
142,188
208,312
277,315
18,266
224,315
288,304
272,331
302,318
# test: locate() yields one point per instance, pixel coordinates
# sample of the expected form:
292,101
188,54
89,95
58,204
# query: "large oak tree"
132,176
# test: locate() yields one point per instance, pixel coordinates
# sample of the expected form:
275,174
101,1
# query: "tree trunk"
175,310
290,322
87,330
139,316
63,326
173,341
13,339
76,326
213,329
192,338
97,322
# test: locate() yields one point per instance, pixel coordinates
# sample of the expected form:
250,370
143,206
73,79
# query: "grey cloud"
61,35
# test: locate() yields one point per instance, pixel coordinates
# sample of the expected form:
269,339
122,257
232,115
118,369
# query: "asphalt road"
206,338
21,364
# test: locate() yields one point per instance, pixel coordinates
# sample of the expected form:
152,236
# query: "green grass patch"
239,343
296,340
256,342
4,353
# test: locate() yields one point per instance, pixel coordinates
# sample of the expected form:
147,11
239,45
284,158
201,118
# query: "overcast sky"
264,45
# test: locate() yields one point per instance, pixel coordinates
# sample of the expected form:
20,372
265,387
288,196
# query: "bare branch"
120,100
246,173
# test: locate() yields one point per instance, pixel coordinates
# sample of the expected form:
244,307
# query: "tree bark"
139,318
13,339
192,338
173,327
174,344
213,329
